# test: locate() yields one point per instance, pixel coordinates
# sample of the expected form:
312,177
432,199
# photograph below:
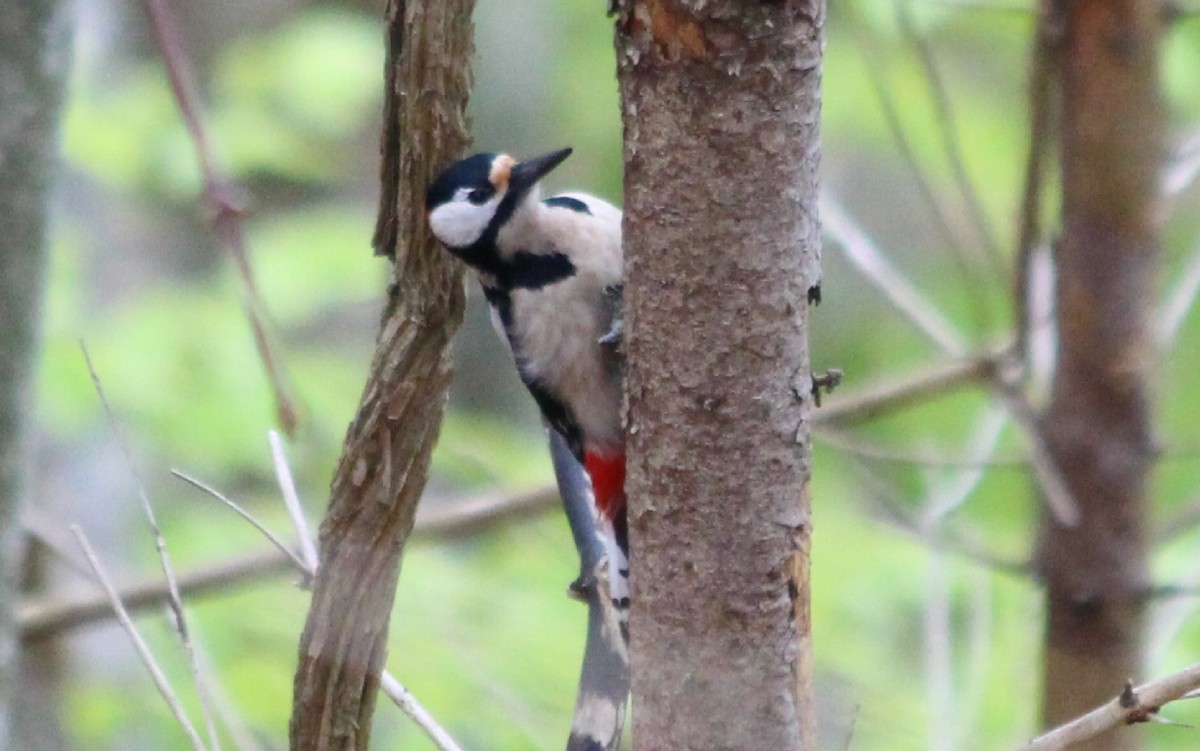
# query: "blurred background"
915,648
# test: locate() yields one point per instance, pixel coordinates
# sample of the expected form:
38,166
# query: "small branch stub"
825,384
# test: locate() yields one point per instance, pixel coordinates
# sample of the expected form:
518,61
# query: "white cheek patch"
458,224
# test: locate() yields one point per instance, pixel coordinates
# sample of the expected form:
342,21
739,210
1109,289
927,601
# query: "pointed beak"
527,173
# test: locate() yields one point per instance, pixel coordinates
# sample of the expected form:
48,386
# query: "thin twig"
48,532
1041,124
1018,8
408,704
898,393
143,651
287,486
46,617
864,255
1174,310
1175,592
951,147
951,492
1040,351
947,492
939,667
1177,524
933,458
973,689
1059,498
246,515
891,510
1171,617
1130,707
387,683
1186,166
225,202
174,601
470,517
224,707
869,49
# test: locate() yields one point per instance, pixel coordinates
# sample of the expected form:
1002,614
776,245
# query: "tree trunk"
385,460
33,65
721,106
1098,424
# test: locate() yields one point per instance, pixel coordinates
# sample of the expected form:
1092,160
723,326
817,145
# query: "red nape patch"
608,481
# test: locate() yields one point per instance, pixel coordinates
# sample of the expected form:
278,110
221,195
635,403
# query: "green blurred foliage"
482,632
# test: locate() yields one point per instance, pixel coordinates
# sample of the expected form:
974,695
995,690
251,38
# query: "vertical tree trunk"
1098,423
33,65
385,460
721,107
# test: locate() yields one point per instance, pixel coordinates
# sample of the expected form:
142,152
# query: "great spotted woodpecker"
551,272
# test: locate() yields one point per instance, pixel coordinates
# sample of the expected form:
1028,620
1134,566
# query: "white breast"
557,327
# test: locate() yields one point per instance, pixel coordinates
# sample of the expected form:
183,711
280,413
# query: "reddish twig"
225,202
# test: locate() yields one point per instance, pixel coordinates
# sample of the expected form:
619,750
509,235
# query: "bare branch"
1130,707
953,491
45,617
143,651
300,564
933,458
1181,522
1054,488
939,667
408,704
864,255
944,115
1174,310
174,601
50,533
224,200
992,6
1186,166
869,48
899,393
224,707
1170,618
1029,225
892,511
288,487
472,516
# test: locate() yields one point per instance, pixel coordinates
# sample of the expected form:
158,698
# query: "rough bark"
1098,421
721,108
385,459
33,57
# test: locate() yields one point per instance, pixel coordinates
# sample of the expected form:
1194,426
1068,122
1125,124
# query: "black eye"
477,196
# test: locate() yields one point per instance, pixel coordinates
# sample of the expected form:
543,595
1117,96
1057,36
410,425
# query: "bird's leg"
616,327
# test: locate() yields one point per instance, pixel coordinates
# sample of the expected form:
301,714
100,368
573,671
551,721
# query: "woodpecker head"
473,198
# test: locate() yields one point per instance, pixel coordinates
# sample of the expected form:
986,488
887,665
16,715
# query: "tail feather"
600,704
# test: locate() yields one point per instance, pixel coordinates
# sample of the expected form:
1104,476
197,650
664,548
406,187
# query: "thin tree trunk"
385,460
721,107
33,64
1098,422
